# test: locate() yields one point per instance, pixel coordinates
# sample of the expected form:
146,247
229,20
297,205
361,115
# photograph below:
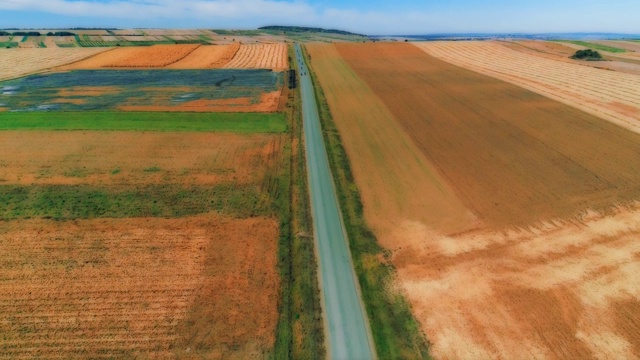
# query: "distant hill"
308,29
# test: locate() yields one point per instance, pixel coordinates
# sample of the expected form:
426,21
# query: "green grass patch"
68,202
145,121
152,169
396,332
8,44
593,46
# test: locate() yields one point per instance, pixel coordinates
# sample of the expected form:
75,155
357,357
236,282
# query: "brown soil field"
207,57
408,189
610,95
546,268
198,287
156,56
260,56
70,158
19,62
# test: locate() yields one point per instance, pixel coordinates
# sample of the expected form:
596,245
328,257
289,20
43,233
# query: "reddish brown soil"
34,157
139,288
514,157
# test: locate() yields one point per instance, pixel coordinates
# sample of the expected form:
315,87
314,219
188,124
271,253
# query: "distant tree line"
35,33
307,29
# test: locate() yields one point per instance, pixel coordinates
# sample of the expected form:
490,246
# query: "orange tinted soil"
93,157
592,90
139,288
268,103
19,62
260,56
207,57
136,57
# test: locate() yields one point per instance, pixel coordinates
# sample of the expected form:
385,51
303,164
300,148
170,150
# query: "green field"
593,46
8,44
145,121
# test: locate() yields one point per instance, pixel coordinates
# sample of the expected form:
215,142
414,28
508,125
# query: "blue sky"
369,17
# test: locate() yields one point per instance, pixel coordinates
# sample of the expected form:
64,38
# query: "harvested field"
202,286
156,56
546,269
147,90
207,57
610,95
19,62
627,45
561,52
260,56
111,158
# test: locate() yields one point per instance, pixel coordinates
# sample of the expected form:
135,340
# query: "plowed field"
19,62
611,95
138,288
546,268
207,57
156,56
260,56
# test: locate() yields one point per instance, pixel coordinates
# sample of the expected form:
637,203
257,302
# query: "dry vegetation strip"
515,157
19,62
611,95
156,56
565,287
151,288
260,56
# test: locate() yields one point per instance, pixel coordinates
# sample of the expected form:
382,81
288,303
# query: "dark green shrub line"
69,202
396,332
300,331
588,54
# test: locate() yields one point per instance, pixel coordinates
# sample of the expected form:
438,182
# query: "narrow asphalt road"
346,325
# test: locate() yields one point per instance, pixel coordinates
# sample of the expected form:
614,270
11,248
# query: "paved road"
346,325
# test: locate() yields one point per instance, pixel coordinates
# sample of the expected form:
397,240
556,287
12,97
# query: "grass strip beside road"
396,332
145,121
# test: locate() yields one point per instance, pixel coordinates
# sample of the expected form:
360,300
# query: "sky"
371,17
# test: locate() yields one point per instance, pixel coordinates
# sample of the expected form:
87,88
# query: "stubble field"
19,62
543,267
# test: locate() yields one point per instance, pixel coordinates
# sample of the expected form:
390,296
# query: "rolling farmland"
552,191
611,95
131,231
